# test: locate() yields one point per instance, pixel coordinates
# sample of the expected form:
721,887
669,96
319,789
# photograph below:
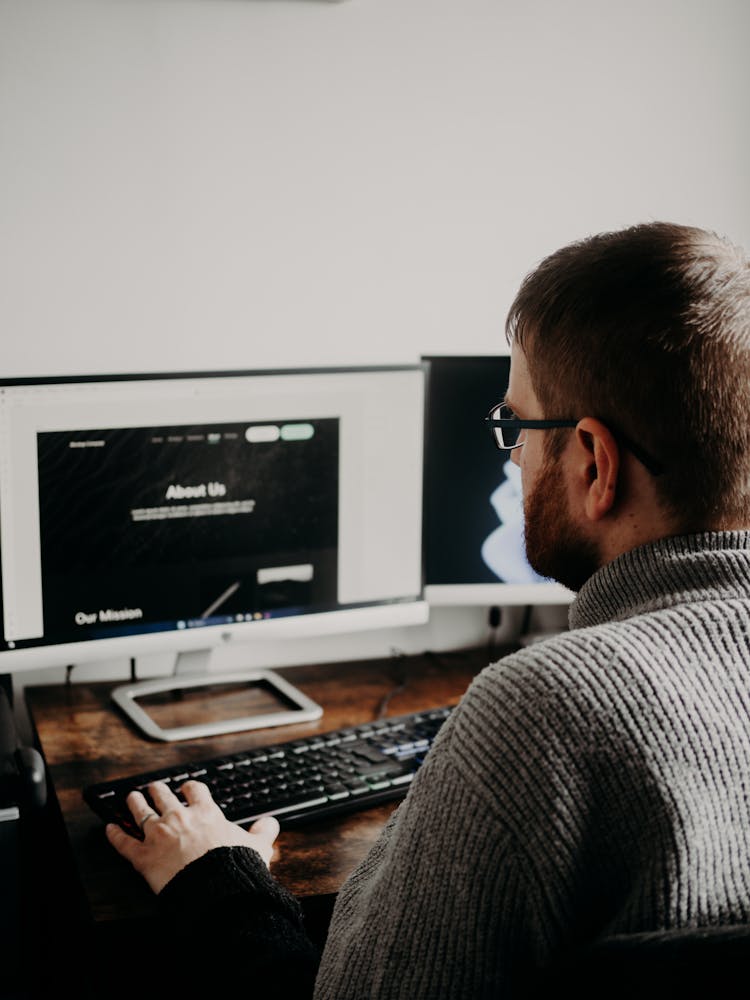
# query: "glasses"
505,428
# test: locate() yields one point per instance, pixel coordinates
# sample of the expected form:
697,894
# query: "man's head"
645,333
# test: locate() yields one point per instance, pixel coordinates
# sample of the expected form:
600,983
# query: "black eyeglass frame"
647,461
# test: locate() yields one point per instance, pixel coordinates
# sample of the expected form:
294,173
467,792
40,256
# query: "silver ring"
146,818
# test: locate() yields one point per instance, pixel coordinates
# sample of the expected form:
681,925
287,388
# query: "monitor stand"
195,702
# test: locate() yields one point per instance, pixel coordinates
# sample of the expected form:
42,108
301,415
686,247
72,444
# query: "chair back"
685,963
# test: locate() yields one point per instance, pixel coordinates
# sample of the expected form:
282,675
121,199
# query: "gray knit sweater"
595,782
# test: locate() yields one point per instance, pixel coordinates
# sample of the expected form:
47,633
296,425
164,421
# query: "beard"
555,546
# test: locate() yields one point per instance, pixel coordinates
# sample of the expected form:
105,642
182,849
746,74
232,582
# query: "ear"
598,467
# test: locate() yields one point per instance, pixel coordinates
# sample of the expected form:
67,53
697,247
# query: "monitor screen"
473,513
172,512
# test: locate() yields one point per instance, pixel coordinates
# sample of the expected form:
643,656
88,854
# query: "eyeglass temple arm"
648,461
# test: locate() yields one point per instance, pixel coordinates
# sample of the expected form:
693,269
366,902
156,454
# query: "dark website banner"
180,526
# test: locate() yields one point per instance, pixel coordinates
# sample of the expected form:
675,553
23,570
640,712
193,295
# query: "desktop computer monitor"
473,514
178,512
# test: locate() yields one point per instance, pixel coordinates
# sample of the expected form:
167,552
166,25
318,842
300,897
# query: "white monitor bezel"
407,610
496,594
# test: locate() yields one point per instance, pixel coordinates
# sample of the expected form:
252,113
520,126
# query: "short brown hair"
648,329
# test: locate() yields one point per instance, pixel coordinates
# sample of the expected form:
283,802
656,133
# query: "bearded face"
555,546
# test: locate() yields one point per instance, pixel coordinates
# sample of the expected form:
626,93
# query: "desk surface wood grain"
85,739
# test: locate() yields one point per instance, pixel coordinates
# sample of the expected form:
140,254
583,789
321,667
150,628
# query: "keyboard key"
277,807
357,787
403,779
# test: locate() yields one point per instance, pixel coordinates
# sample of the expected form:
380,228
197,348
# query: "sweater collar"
686,568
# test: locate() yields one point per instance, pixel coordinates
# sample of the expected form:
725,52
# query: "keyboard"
297,781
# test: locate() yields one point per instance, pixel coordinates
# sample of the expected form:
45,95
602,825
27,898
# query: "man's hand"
176,834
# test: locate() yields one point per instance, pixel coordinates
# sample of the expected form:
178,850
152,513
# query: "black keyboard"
299,780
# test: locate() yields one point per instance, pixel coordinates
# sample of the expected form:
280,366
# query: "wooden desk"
85,739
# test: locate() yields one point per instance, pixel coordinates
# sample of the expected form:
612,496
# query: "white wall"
210,183
242,183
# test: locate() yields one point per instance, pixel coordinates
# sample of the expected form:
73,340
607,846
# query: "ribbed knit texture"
228,927
596,782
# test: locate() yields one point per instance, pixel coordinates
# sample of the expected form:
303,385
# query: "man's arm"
444,903
227,922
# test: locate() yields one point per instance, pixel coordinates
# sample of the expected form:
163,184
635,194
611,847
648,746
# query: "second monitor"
473,508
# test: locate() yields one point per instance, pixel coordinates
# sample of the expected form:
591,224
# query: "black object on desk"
324,775
22,791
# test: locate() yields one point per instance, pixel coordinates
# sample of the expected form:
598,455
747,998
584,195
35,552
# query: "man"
594,783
